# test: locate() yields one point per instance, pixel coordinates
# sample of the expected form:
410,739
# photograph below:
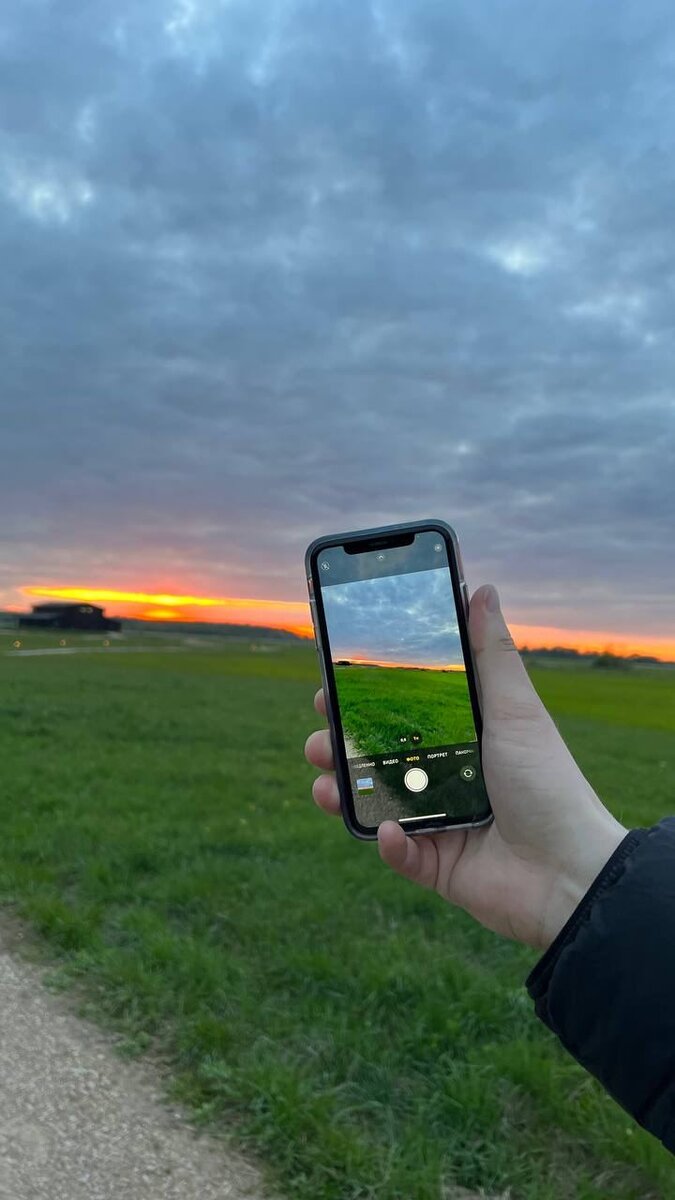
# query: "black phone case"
326,667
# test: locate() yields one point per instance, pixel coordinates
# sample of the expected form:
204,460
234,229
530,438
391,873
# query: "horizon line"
407,666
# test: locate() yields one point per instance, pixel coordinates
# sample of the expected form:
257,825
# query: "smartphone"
390,609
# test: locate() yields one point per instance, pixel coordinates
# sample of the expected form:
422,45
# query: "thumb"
506,690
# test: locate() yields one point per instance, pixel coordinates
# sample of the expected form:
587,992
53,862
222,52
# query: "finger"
326,795
319,751
414,857
320,702
506,689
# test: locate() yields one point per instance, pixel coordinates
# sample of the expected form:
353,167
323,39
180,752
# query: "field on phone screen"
378,705
364,1039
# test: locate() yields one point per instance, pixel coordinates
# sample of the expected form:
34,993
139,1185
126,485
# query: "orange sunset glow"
409,666
293,615
592,641
109,596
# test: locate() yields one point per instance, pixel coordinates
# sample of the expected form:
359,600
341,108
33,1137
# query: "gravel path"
79,1123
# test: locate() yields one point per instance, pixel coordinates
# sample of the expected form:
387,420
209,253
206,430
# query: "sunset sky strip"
294,615
537,637
373,662
111,596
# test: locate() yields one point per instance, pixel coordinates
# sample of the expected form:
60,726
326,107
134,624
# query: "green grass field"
378,704
366,1040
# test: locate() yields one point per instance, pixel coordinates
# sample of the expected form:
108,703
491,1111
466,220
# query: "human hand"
523,875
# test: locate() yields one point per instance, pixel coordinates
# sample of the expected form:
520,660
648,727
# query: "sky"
274,269
403,620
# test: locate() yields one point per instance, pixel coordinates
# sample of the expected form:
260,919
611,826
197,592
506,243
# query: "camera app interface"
404,700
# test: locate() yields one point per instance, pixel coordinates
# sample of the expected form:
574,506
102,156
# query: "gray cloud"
397,618
275,269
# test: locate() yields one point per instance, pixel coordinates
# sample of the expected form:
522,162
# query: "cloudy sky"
272,269
399,619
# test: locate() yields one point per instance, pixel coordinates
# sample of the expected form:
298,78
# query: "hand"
523,875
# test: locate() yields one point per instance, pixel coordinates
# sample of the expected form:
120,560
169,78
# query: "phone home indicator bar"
424,817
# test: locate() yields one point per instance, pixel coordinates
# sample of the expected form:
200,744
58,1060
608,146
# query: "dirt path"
387,805
351,748
79,1123
65,650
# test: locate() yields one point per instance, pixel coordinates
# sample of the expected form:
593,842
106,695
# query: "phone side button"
324,683
465,594
312,611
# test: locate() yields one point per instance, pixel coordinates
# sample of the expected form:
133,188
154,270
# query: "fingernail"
492,599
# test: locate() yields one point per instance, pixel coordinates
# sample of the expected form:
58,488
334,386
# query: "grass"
368,1042
379,704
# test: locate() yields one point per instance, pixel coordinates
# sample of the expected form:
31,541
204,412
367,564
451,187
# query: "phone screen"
408,716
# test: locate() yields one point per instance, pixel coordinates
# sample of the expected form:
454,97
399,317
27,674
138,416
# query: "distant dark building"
69,616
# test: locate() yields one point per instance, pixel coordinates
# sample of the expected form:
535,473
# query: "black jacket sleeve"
606,986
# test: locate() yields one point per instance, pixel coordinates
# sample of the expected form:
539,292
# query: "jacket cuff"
538,980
